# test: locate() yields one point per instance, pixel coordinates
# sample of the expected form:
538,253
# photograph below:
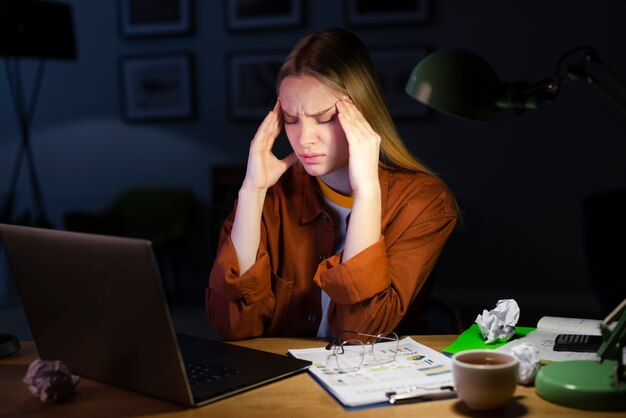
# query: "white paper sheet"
548,328
416,365
544,341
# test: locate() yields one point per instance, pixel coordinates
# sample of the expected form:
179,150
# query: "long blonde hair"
339,59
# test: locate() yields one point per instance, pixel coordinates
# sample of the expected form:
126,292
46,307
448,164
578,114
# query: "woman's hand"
364,146
262,172
264,169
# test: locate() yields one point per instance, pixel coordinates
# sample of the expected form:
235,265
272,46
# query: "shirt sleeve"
372,290
239,306
344,283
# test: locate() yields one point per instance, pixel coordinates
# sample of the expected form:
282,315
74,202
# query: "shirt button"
312,317
322,256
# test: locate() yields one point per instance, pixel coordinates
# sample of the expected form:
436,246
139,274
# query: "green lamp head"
463,84
457,82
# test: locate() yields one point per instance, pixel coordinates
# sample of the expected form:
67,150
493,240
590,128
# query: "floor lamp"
39,30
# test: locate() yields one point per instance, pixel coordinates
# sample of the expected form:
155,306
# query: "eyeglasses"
351,350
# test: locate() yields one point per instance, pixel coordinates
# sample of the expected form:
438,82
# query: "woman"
343,232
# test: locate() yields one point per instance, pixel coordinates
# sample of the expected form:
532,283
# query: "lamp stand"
591,384
585,384
24,113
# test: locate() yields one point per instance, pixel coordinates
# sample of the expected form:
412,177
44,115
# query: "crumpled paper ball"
498,325
529,362
50,380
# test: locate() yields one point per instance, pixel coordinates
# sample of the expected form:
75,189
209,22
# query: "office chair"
430,315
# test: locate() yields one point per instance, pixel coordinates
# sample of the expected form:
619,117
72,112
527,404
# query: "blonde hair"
339,59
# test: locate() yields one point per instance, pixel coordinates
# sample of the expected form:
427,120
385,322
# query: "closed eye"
328,120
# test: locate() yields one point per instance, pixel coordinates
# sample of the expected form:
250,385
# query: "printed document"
417,368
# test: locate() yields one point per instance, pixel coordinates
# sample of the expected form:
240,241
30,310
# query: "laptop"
97,303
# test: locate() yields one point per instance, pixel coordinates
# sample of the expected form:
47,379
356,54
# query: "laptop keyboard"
200,372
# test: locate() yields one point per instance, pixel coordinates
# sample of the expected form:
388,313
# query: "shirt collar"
312,205
334,196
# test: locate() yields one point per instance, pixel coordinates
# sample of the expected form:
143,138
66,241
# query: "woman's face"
312,125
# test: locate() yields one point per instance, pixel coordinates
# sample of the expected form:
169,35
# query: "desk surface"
297,396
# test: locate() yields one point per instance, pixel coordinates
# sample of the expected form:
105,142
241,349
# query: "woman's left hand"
364,146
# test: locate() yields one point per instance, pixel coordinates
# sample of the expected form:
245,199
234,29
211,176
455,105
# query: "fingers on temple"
351,118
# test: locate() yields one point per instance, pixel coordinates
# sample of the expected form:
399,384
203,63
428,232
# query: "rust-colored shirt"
280,294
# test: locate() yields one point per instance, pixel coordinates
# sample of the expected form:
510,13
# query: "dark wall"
520,180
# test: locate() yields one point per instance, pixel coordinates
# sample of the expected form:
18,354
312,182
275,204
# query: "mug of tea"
484,379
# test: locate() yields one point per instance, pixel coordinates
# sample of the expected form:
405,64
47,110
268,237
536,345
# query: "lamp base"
582,384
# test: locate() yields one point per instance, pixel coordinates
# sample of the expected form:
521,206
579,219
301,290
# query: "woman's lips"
311,158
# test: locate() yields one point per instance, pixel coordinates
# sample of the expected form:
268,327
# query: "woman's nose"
308,134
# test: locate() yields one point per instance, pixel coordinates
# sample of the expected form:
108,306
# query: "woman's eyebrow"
320,113
312,115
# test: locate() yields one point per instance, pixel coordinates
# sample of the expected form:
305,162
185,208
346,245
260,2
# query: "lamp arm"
608,89
611,317
610,75
614,341
608,94
520,96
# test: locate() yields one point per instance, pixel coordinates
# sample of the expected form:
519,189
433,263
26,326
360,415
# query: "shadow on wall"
85,165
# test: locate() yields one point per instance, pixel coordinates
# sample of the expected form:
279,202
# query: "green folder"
471,339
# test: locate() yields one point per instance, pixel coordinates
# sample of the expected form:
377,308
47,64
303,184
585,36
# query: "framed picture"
263,14
394,67
143,18
373,12
157,87
252,89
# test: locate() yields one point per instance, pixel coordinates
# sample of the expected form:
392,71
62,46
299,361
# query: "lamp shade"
457,82
40,29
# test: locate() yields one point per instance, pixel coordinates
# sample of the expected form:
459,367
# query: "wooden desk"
297,396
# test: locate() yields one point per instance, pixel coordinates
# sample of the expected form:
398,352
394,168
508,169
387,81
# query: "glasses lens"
384,349
347,357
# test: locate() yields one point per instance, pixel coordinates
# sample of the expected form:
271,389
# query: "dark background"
520,180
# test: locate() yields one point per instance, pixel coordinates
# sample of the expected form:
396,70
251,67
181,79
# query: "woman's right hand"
264,169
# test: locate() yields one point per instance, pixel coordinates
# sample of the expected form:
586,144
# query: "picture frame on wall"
157,87
153,18
394,67
384,13
252,88
262,14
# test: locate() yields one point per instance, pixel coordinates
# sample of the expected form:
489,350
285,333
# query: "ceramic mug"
484,379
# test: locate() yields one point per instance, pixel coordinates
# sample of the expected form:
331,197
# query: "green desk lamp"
591,384
463,84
